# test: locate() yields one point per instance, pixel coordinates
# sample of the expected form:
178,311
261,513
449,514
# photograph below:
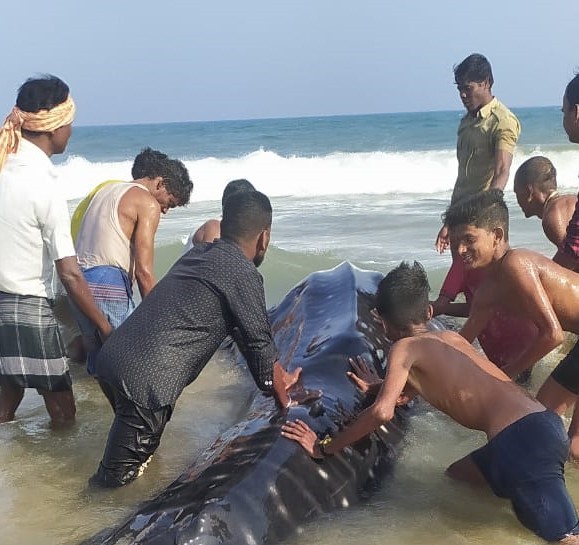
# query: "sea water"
369,189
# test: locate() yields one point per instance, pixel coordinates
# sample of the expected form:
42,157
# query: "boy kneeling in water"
528,446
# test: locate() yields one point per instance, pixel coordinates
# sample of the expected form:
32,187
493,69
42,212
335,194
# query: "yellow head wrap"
41,121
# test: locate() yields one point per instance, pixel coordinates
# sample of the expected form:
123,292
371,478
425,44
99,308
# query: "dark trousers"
134,436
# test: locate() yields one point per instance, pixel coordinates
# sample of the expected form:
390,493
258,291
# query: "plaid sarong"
113,294
32,353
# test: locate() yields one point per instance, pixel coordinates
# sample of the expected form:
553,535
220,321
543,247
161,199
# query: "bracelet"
323,443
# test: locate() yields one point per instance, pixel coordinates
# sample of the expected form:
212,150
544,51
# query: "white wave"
338,173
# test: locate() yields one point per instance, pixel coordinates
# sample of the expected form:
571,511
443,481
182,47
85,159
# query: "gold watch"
323,444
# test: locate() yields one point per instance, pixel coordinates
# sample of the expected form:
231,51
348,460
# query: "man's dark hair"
236,186
245,216
537,171
41,93
572,90
402,296
485,210
475,68
151,164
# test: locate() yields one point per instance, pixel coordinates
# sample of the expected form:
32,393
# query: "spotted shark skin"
254,487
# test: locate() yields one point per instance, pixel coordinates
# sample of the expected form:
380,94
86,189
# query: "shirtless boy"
536,189
211,229
454,377
524,282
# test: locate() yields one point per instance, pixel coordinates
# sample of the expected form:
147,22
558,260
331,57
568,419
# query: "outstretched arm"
443,305
380,412
246,301
364,376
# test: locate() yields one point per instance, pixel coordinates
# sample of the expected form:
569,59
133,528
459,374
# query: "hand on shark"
369,382
283,382
303,396
300,432
364,376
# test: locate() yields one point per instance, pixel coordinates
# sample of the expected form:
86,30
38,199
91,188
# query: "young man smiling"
524,282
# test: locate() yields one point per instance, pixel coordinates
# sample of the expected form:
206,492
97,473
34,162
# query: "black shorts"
567,372
525,463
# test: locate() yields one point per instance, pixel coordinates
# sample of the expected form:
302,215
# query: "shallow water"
44,498
43,473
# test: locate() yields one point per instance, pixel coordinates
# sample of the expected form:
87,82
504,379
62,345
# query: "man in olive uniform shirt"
487,135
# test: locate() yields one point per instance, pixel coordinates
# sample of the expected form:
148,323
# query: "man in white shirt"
35,239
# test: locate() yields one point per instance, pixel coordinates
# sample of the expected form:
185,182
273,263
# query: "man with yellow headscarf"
35,241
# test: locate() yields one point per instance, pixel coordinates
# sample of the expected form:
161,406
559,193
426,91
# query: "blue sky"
140,61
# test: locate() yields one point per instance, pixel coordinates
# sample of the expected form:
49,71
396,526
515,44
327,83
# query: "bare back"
208,232
532,285
458,380
556,218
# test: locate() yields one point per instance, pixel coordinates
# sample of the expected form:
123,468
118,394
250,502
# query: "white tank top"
101,240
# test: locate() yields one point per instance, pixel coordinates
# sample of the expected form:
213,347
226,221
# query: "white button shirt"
34,223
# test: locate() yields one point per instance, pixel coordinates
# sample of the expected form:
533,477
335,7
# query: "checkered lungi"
32,352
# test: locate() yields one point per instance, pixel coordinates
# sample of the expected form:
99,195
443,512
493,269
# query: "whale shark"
254,487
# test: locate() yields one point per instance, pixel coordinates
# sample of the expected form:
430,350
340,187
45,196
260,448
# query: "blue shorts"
525,463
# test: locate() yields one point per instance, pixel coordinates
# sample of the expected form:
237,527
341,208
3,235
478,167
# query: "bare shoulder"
212,225
429,342
141,201
139,194
208,232
522,260
561,207
565,204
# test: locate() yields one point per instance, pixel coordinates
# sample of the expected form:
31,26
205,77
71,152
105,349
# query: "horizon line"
284,117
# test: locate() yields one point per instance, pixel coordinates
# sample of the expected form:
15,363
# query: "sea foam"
383,173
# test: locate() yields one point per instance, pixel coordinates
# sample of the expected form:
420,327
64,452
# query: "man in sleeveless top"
114,229
536,191
35,240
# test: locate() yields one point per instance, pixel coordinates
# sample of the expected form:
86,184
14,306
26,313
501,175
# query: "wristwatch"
322,444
